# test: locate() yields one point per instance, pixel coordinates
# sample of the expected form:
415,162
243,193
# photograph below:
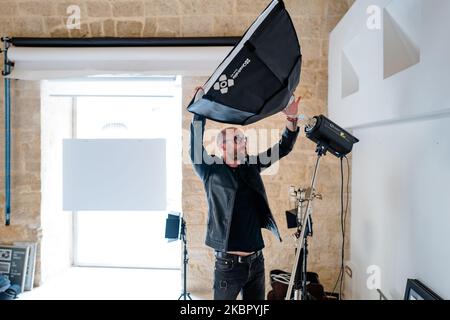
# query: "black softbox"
260,74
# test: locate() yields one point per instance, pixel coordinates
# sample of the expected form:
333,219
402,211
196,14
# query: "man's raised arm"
197,151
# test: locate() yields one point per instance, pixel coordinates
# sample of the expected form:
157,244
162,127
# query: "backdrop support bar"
7,70
126,42
7,152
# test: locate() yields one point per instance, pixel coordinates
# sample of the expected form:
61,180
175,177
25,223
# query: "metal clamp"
7,64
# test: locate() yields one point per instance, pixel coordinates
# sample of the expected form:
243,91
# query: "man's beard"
238,156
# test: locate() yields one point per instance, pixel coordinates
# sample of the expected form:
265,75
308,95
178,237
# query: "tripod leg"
184,294
303,234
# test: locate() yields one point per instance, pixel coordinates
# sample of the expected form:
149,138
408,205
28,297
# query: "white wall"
56,124
391,87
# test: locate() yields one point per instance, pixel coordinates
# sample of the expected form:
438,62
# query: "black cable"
348,197
337,281
341,269
344,221
342,229
340,278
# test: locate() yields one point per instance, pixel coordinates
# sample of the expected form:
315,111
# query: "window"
135,108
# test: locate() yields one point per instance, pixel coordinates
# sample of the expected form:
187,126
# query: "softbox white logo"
223,84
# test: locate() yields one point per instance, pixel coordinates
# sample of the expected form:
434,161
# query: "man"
238,206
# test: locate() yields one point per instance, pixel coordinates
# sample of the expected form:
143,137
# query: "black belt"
236,258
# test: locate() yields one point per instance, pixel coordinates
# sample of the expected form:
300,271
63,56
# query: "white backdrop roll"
56,63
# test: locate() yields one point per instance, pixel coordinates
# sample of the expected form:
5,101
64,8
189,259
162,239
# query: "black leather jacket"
221,185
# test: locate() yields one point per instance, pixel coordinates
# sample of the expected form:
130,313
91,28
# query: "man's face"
234,145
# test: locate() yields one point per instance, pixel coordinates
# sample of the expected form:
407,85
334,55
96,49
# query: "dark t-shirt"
245,230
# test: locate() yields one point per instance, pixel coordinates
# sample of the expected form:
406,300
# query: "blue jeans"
233,275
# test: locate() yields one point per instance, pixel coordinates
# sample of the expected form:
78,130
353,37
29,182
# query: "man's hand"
199,92
292,112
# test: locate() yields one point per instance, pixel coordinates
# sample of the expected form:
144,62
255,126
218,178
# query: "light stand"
184,295
301,277
301,196
329,137
302,238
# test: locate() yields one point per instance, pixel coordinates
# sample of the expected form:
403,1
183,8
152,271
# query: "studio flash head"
329,136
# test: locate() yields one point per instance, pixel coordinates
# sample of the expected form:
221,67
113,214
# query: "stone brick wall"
313,19
25,166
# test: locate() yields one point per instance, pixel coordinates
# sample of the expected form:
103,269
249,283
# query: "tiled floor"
111,284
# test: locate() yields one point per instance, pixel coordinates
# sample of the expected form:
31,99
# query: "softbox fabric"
260,74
